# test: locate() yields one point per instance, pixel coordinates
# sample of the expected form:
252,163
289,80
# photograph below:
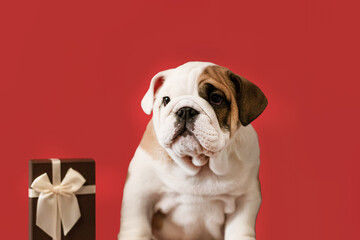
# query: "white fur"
198,199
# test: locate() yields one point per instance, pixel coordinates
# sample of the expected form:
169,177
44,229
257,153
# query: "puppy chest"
191,217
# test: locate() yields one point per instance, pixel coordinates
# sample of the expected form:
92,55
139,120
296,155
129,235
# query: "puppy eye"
216,99
166,100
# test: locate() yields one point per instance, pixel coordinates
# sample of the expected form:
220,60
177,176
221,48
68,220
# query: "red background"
73,74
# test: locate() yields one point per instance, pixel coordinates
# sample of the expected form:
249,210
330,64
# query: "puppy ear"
148,100
250,99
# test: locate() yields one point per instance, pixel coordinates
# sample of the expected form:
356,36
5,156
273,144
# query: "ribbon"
57,203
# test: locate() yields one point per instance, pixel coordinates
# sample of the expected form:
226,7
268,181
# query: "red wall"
72,75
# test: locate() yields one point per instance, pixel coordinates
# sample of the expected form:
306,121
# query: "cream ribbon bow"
58,202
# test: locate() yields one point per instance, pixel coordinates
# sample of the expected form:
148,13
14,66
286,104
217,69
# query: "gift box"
62,199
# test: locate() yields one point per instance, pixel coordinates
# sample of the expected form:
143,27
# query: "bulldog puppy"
194,175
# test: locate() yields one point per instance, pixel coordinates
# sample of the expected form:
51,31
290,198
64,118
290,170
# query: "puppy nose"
186,113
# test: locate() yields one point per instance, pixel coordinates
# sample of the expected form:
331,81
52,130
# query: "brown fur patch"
222,110
150,144
246,100
217,77
127,176
251,100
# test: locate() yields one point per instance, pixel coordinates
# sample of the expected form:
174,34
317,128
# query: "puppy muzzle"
191,117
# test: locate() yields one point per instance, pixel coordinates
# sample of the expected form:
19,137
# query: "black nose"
186,113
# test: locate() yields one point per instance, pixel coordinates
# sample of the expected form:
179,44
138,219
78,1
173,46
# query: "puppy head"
197,107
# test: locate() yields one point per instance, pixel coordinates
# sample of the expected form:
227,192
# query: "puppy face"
197,107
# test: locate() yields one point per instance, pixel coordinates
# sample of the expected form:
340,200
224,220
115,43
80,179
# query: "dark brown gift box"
84,229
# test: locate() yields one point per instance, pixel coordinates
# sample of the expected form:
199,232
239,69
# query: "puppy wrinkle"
151,146
158,220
